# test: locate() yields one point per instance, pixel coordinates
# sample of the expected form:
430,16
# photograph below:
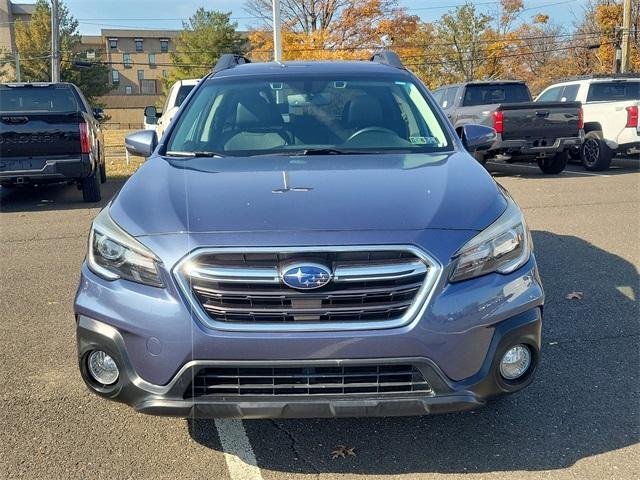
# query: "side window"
449,97
437,95
551,95
570,93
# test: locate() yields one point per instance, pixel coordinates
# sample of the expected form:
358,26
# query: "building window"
115,77
152,59
126,59
113,43
164,45
128,90
138,44
165,73
140,74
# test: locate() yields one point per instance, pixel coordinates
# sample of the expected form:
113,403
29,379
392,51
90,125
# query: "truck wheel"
554,165
103,172
596,155
481,157
91,187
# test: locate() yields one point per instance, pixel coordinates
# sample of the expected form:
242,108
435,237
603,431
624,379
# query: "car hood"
323,193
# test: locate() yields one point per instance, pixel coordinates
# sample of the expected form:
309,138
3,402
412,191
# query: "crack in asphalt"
553,343
294,448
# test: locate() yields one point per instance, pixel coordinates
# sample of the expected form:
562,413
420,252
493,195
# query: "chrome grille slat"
341,380
371,287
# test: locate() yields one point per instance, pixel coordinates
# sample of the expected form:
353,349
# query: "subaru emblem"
305,276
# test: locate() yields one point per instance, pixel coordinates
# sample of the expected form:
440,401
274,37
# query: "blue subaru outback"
309,239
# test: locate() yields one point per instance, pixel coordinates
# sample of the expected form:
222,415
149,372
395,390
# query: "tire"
596,155
91,187
575,154
103,172
554,165
481,157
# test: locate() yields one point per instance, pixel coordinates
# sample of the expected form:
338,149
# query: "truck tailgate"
541,120
33,134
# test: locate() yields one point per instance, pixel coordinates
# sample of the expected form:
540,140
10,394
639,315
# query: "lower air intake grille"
320,380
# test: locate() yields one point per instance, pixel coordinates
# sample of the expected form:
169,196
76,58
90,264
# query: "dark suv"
309,239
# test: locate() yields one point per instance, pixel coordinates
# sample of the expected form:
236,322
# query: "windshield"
32,98
183,92
501,93
305,115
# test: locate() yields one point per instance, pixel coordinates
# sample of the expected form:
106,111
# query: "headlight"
113,254
503,247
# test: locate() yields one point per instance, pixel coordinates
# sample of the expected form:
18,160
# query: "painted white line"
241,461
569,172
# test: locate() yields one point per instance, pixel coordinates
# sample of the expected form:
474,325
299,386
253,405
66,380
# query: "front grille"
316,380
246,288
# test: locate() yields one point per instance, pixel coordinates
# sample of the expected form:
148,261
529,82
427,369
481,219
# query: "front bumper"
446,395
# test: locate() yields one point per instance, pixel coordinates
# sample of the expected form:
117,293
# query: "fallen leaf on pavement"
342,451
574,296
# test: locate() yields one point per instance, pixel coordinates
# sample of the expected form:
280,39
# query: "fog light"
102,367
515,362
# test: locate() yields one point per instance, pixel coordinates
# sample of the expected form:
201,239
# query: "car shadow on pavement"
584,401
620,166
57,196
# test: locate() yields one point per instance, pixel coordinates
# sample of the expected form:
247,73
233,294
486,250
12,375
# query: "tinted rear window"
613,91
488,94
38,99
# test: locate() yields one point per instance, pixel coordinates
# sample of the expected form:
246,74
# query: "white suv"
159,121
610,105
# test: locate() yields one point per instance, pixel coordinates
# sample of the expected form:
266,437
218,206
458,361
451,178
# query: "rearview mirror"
142,143
476,138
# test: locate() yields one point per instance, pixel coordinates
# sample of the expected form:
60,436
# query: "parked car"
159,121
610,105
311,240
543,131
49,133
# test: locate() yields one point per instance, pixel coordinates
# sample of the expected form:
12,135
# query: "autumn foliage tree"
469,42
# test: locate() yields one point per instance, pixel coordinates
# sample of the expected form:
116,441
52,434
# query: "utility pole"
626,33
55,37
18,74
277,34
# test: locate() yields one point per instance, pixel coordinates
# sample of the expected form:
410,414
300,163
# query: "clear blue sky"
168,14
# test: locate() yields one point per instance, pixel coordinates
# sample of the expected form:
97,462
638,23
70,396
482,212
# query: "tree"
330,29
461,35
204,38
33,42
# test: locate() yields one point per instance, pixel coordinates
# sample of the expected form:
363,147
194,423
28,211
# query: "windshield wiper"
328,151
194,154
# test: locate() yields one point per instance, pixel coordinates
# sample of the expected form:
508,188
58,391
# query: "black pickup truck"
543,130
49,133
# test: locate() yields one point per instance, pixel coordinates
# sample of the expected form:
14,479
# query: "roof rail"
595,76
387,57
229,60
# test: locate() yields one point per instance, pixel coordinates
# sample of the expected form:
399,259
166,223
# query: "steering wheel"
366,130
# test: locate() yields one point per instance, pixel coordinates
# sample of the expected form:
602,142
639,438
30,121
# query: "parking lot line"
570,172
241,461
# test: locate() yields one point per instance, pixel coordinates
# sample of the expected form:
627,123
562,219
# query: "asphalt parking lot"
580,419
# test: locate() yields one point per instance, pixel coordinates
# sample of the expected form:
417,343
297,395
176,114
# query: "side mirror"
142,143
151,115
98,113
476,138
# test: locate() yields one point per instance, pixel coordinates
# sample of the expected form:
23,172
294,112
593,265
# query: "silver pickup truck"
544,130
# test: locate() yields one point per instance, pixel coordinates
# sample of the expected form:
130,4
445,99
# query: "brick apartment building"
10,12
138,60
